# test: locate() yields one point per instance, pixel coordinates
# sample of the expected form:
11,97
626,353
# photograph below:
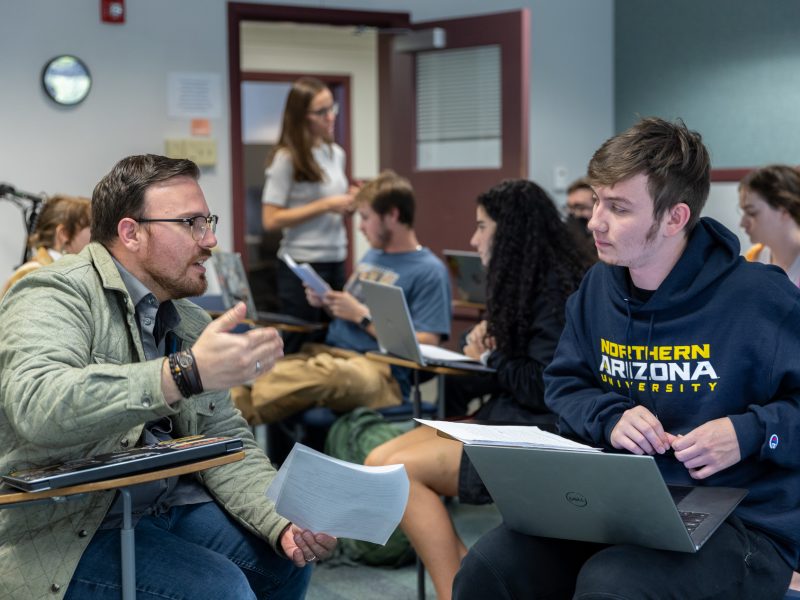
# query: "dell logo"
577,499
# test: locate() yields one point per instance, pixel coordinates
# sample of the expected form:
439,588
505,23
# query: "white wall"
46,148
54,149
723,205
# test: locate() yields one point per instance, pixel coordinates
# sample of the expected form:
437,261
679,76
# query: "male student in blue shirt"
675,347
336,374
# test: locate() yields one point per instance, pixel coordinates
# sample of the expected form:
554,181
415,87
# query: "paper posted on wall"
327,495
307,274
506,435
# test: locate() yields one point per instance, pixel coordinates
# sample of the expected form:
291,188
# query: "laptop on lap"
599,497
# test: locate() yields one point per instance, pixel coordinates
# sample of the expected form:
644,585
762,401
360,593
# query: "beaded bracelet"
178,376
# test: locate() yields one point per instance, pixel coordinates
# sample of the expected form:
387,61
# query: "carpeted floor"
361,582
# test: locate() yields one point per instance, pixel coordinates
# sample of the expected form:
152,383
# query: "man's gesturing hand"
227,359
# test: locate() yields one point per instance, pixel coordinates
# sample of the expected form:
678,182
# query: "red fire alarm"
112,11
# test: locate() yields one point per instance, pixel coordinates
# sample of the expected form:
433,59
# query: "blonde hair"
73,212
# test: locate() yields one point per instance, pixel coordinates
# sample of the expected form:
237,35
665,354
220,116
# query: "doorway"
263,99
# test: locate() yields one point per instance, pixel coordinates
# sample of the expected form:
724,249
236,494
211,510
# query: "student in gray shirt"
306,195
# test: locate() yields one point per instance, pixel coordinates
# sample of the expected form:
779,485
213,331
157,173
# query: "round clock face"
185,360
66,80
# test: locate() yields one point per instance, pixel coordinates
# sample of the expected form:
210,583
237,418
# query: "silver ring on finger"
258,366
312,559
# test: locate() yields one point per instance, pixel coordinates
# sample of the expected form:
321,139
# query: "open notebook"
396,334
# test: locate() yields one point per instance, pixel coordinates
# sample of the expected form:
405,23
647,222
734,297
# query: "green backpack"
351,438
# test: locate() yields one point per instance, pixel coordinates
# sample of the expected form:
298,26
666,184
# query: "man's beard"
185,286
578,224
383,238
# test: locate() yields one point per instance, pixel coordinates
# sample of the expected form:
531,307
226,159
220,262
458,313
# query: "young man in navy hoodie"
674,346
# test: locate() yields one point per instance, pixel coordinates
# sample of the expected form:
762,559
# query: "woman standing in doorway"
769,199
306,195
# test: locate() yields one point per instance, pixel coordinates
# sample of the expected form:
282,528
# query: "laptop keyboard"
691,520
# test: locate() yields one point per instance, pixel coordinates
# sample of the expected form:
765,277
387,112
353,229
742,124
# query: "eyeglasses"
333,109
199,225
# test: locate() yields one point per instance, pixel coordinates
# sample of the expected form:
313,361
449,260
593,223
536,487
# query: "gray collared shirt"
155,497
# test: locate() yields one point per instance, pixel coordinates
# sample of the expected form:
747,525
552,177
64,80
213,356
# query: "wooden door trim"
243,11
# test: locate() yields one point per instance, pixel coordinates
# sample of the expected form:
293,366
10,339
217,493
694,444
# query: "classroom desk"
416,396
478,306
10,499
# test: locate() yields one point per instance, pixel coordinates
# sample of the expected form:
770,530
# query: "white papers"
506,435
437,353
327,495
307,274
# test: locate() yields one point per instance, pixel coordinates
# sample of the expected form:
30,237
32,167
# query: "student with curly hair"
533,265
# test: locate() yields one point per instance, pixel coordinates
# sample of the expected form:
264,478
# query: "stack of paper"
327,495
438,353
506,435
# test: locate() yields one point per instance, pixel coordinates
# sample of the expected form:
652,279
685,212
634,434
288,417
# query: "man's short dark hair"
579,184
387,191
672,157
121,192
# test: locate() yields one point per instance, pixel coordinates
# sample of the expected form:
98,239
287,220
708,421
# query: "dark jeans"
736,562
292,296
192,552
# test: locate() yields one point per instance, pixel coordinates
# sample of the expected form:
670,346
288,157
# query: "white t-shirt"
323,238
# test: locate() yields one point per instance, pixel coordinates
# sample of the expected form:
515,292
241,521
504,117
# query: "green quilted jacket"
74,382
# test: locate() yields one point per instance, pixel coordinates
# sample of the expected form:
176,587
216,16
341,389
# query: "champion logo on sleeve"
773,441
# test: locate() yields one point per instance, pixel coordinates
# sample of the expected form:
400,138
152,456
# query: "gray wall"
51,149
729,68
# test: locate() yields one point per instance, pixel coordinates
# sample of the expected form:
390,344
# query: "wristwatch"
184,360
365,322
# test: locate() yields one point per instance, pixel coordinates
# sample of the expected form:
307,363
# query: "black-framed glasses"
198,225
333,109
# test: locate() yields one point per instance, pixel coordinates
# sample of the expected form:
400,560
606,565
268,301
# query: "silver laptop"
227,269
396,335
599,497
469,275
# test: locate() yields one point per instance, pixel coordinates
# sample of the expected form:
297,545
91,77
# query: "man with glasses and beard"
101,352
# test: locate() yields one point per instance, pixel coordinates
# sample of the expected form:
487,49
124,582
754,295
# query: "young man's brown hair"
387,191
673,158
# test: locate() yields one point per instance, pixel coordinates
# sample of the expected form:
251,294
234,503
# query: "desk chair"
11,499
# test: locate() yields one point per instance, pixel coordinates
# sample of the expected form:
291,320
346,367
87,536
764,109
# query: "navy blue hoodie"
719,337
